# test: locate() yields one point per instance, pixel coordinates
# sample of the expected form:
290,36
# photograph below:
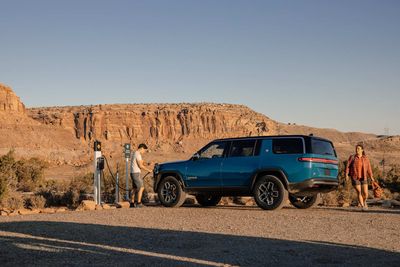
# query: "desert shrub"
19,175
13,200
71,198
109,187
29,173
52,192
77,189
3,187
387,194
330,199
63,193
83,184
392,179
7,174
35,202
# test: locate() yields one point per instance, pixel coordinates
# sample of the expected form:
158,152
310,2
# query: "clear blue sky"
331,64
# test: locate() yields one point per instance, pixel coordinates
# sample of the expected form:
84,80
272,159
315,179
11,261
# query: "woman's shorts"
359,182
136,180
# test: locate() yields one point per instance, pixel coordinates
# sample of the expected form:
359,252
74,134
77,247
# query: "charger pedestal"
97,172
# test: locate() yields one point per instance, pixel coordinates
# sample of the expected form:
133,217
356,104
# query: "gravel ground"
220,236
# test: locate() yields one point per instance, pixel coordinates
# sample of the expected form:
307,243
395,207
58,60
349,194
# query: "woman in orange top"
359,169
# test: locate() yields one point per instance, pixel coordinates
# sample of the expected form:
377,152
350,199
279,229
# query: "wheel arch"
169,173
278,173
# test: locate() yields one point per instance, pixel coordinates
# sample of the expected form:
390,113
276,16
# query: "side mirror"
196,156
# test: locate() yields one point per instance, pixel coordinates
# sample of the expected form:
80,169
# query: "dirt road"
226,235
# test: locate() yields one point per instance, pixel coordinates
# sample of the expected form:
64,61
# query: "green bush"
20,175
8,178
30,174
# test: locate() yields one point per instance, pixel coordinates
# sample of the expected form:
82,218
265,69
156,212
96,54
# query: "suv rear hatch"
321,157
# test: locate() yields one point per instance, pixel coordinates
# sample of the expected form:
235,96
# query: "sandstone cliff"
9,101
64,135
156,123
30,138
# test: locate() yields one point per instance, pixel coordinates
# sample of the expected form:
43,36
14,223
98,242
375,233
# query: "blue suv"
269,168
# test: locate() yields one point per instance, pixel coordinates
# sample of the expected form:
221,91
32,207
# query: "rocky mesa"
64,135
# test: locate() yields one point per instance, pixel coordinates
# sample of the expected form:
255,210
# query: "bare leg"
357,187
133,195
365,193
140,193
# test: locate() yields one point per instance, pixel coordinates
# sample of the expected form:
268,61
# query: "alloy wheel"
268,192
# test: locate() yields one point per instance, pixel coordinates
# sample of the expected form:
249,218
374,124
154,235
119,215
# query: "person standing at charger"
137,166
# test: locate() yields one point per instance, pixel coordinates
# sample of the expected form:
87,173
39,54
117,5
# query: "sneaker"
131,205
365,208
139,205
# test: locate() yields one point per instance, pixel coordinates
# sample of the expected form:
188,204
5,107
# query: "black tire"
208,200
269,193
304,202
170,192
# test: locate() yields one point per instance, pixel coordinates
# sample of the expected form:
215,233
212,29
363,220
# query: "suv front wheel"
303,202
269,193
170,192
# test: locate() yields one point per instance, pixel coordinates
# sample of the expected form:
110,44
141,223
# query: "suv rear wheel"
170,192
303,202
208,200
269,193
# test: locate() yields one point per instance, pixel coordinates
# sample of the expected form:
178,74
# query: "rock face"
154,123
9,101
64,136
29,138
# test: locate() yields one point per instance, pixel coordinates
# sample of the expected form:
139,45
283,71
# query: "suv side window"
242,148
213,150
287,146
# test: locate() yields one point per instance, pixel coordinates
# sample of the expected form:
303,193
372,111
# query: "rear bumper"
313,186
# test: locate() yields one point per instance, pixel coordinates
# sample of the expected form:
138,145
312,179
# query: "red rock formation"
9,101
64,135
156,123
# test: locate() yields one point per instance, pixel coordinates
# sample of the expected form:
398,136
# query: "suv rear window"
322,147
288,146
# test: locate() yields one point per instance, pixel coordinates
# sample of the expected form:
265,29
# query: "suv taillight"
320,160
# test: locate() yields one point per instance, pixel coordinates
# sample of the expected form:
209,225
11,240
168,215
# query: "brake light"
319,160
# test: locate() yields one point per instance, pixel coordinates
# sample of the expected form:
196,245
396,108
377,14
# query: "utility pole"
386,131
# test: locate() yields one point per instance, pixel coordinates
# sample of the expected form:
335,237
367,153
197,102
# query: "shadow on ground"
48,243
370,210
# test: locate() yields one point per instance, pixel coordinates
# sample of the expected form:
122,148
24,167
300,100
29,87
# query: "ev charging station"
98,167
127,153
99,163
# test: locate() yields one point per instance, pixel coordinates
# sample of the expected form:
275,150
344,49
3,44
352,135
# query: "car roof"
272,137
